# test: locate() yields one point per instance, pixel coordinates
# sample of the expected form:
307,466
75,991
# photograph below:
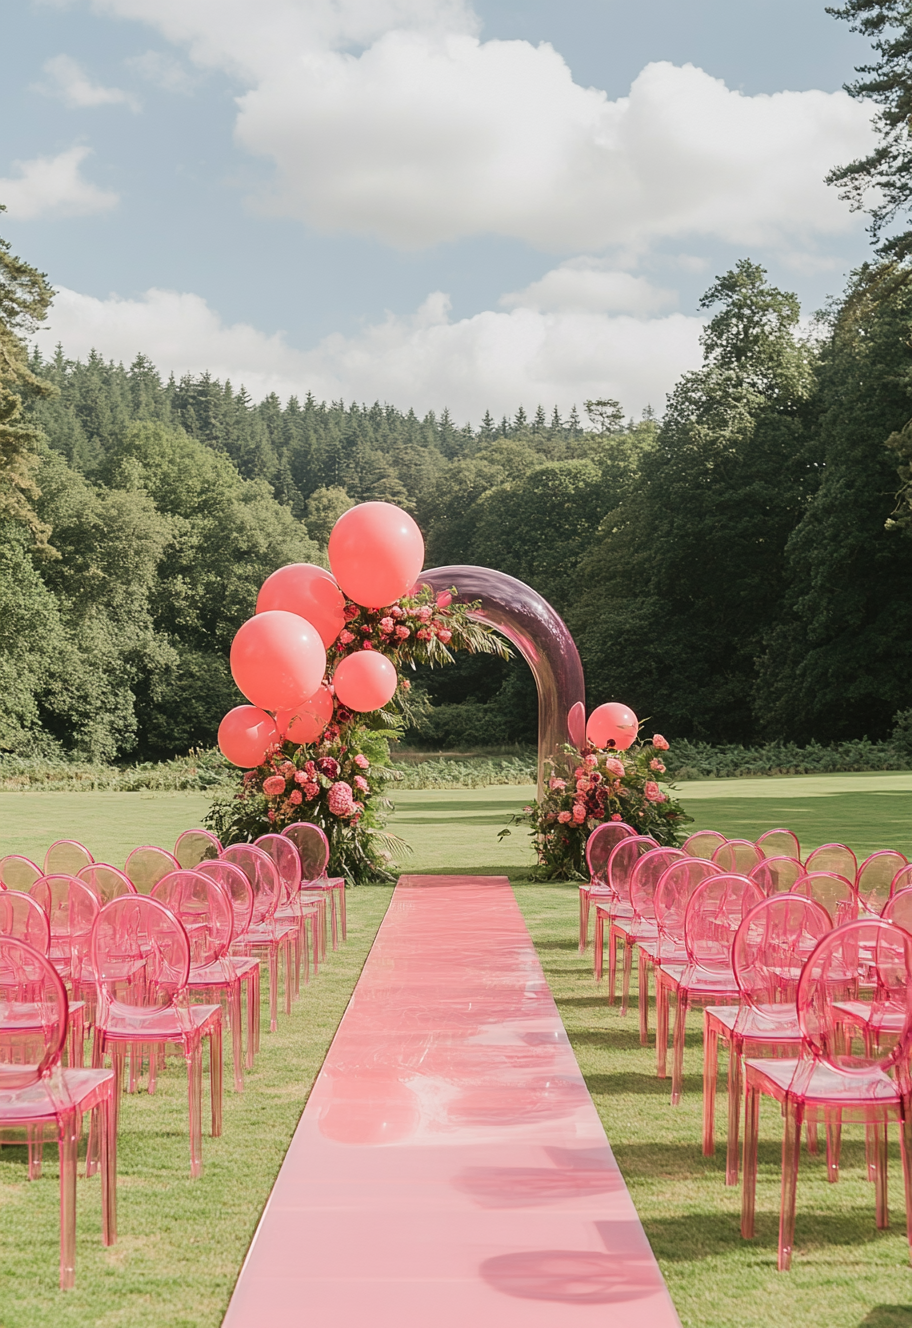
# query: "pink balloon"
307,721
376,551
365,680
245,736
308,591
612,725
576,724
277,659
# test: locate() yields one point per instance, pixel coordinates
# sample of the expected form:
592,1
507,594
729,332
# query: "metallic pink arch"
542,638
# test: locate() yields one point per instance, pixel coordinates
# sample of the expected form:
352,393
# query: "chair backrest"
779,843
71,908
648,870
898,909
833,858
287,862
621,862
312,846
599,846
106,881
703,844
18,873
771,948
196,846
833,892
740,856
875,957
23,917
902,880
673,893
140,953
236,885
260,871
146,866
876,875
65,857
714,913
203,907
33,1015
775,875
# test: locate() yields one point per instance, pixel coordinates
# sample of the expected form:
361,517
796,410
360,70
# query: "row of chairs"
797,966
144,969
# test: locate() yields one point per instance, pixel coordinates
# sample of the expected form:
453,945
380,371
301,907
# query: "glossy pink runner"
449,1170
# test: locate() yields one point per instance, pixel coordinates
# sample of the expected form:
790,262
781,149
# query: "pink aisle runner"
449,1170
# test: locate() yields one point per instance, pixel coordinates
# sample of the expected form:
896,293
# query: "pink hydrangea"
579,813
659,743
273,786
341,799
403,633
345,638
296,797
653,792
362,784
657,765
555,783
386,624
564,817
311,790
615,767
590,760
361,761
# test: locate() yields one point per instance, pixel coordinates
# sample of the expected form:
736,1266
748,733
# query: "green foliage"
473,772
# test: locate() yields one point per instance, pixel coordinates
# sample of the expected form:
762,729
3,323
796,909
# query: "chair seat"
160,1025
226,969
84,1089
756,1026
826,1087
30,1018
860,1012
700,981
266,934
614,912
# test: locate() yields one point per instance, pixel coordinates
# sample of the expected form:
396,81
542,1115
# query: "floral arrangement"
605,785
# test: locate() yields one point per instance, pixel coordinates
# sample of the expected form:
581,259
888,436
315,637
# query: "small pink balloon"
365,680
307,721
245,736
308,591
277,659
612,725
375,551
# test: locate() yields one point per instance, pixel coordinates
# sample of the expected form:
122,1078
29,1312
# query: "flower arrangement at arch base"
590,786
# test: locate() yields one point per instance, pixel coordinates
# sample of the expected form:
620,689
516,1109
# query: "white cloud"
390,118
494,360
71,84
586,285
48,185
163,71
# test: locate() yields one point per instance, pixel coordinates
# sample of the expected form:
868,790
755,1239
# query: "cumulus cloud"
391,118
68,81
494,360
586,285
46,186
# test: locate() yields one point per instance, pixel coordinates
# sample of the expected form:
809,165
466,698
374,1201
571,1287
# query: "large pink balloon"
365,680
612,725
307,721
246,734
277,659
376,551
308,591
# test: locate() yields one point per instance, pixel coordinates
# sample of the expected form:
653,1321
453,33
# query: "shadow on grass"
631,1081
706,1235
888,1316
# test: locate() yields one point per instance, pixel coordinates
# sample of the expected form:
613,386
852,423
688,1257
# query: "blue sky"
424,201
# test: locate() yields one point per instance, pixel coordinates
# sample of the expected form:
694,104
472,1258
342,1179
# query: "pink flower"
403,633
659,743
350,611
657,765
329,767
557,783
616,816
444,599
361,762
270,816
397,612
406,685
423,634
312,790
301,777
424,613
582,786
580,772
362,784
341,799
273,786
368,645
445,635
527,809
296,797
345,637
579,813
590,760
386,624
615,767
653,792
564,817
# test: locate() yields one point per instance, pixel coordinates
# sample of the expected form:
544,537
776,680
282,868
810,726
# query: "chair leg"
67,1145
307,926
612,962
237,1038
735,1077
288,950
194,1055
710,1075
643,997
583,921
810,1132
677,1051
108,1136
749,1161
661,1027
343,912
215,1076
598,946
880,1175
905,1141
273,988
335,924
628,965
833,1143
791,1154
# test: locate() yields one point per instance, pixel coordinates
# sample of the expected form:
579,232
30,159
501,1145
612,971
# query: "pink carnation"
653,792
362,784
311,790
345,637
361,762
341,799
614,766
273,786
579,813
296,797
564,817
657,765
557,783
659,743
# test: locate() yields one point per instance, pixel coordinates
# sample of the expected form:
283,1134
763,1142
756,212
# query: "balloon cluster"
613,726
278,657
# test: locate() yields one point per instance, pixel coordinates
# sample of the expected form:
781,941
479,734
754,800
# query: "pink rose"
557,783
580,772
296,797
657,765
445,635
615,767
328,766
362,762
397,612
312,790
270,816
341,799
582,786
362,784
424,613
403,633
287,769
273,786
579,813
345,637
386,624
423,634
653,792
590,760
367,645
564,817
350,611
301,777
659,743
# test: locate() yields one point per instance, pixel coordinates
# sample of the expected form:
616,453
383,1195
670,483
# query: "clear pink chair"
836,858
239,890
36,1093
898,909
23,917
714,913
598,850
835,893
875,877
771,948
65,857
775,875
738,855
147,865
617,907
830,1080
18,873
779,843
264,934
703,844
902,880
642,930
293,909
106,882
672,896
313,846
71,909
141,957
196,846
